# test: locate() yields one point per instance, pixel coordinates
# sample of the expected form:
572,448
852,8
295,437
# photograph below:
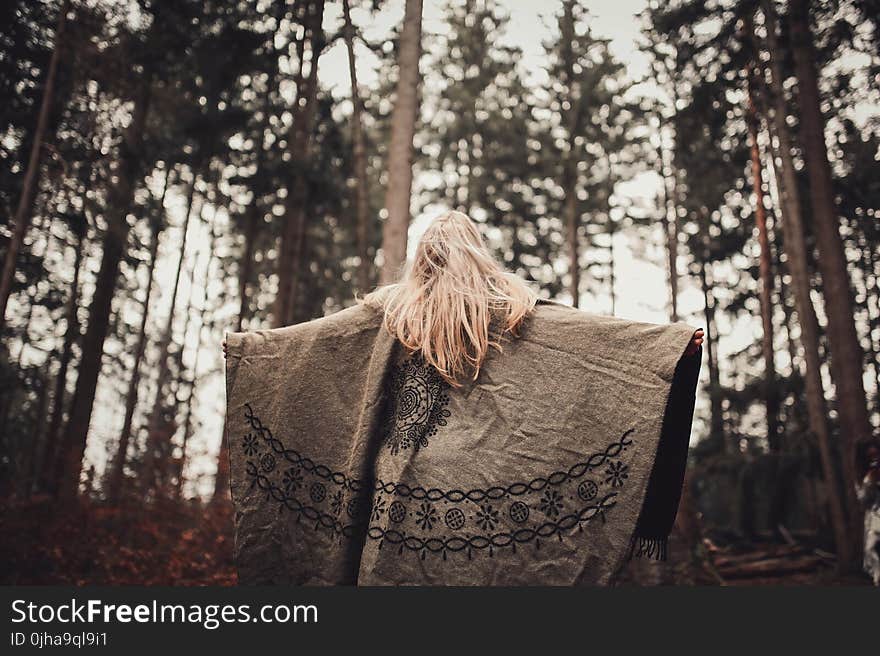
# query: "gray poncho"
352,462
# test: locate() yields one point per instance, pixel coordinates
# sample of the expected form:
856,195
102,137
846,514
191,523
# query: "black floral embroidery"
367,505
487,517
426,516
616,474
551,503
337,502
292,479
378,509
249,444
418,396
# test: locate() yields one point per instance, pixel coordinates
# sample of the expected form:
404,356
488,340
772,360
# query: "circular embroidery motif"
519,512
417,397
317,492
267,462
397,512
588,490
454,518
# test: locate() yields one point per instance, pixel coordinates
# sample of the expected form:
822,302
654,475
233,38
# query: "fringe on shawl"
648,548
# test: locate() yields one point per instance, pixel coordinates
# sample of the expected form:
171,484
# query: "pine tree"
400,150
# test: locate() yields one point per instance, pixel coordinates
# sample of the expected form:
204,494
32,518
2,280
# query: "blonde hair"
454,301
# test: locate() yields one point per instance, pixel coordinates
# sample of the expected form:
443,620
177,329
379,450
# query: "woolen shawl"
354,462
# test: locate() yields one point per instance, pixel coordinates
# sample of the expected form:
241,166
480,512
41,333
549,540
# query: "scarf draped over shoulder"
353,462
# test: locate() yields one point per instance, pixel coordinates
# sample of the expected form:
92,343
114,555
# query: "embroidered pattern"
418,396
433,520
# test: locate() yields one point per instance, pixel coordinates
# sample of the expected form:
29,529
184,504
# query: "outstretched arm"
695,344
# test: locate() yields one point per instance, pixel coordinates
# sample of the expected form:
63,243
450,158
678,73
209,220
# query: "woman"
455,429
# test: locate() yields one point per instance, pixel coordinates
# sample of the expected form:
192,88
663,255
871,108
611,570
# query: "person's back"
452,429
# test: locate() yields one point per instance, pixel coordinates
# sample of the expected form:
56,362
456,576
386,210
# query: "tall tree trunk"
670,231
158,441
254,212
670,188
121,195
771,396
716,409
45,221
571,238
847,357
359,151
570,173
294,221
400,150
32,464
71,333
789,320
22,219
870,269
176,465
794,242
612,273
117,467
203,322
798,410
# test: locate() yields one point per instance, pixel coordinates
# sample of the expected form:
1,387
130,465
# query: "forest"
172,170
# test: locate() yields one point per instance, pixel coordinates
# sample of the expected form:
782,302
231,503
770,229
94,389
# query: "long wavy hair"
454,301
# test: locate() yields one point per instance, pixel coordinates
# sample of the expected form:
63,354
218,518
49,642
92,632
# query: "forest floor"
741,564
92,544
191,544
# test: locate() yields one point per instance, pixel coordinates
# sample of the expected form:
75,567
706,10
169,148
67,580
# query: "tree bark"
400,150
670,197
795,247
158,442
771,396
359,152
716,409
31,466
294,221
571,231
612,267
847,357
670,232
71,333
253,214
203,313
870,273
121,195
117,467
570,173
177,464
22,218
